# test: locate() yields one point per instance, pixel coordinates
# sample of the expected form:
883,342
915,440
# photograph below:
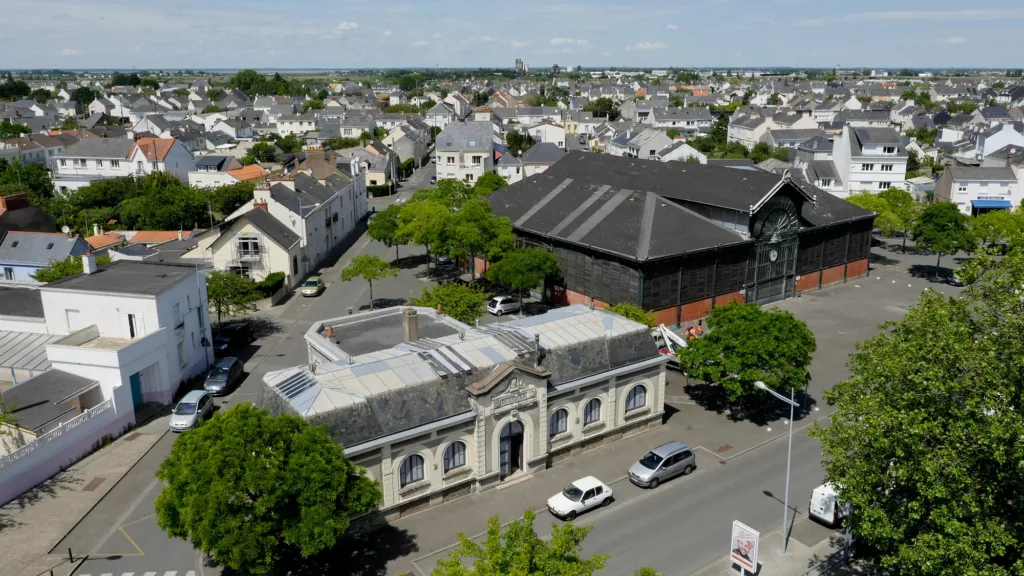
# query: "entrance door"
136,383
511,448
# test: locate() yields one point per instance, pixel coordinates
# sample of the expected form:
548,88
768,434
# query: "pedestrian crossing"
161,573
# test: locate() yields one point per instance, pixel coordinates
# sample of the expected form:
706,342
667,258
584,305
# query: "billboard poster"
743,547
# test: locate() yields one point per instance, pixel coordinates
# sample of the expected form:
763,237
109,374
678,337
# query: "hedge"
271,284
377,191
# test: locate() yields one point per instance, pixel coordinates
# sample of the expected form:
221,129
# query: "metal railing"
61,429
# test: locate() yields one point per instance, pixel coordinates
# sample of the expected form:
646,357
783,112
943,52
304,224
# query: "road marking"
171,573
149,574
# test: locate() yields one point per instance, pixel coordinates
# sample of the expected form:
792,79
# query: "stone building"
435,409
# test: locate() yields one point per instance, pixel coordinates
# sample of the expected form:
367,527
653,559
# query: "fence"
50,453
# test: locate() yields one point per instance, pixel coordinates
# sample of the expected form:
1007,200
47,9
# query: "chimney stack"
89,263
179,235
410,325
95,229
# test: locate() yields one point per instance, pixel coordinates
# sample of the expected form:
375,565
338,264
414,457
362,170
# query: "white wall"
983,190
210,179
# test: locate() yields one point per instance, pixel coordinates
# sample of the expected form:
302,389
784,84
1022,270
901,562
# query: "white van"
826,507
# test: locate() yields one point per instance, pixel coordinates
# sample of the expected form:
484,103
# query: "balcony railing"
249,255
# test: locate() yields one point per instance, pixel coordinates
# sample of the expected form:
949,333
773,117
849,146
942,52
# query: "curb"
97,503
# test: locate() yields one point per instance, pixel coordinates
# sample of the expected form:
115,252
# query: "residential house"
161,155
236,128
22,254
156,125
991,115
680,151
979,190
212,171
40,148
748,128
288,124
253,245
548,131
92,159
791,138
684,120
440,115
510,168
465,150
997,137
647,144
459,104
871,159
539,158
407,142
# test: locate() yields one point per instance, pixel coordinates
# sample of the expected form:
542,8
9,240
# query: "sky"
345,34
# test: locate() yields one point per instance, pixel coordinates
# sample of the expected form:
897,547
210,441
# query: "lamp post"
789,457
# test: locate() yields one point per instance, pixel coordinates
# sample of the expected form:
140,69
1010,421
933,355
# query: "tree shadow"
410,262
366,554
263,327
535,308
755,408
64,480
880,260
379,303
930,273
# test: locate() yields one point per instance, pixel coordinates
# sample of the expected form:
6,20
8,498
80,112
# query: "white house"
979,190
548,132
161,155
996,137
296,124
92,159
23,253
681,151
647,144
871,159
465,150
440,115
253,245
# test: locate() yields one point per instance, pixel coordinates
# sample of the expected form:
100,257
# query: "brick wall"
697,309
807,282
730,297
832,275
857,268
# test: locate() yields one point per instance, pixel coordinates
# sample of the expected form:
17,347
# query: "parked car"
578,497
826,507
195,406
231,339
227,372
313,286
499,305
666,461
442,260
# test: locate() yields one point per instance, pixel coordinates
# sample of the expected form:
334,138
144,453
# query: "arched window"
592,412
559,422
636,398
454,456
411,470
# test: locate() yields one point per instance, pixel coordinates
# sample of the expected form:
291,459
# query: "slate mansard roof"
408,385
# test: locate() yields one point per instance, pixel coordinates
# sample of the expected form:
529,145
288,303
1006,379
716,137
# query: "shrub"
271,284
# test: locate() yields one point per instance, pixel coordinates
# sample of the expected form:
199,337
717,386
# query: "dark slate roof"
826,208
39,248
270,226
877,135
308,192
127,277
620,206
217,162
543,153
137,250
21,302
40,400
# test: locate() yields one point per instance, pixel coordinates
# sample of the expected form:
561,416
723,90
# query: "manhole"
132,436
93,484
723,448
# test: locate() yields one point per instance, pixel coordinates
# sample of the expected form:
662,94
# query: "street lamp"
789,458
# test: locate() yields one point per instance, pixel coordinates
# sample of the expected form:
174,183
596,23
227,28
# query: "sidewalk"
818,559
30,526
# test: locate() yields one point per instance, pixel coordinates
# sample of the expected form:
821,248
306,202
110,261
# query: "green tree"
150,82
385,226
230,293
672,133
125,79
746,344
12,89
463,302
996,226
943,229
338,143
604,108
520,551
251,489
907,72
164,204
212,108
524,269
84,95
410,82
633,312
260,152
775,99
247,81
925,439
518,142
69,123
10,130
230,197
886,221
32,179
490,182
904,210
290,144
422,221
369,268
40,95
70,266
472,230
312,105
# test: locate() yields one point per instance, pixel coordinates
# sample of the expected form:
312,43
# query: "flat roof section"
23,302
127,277
383,332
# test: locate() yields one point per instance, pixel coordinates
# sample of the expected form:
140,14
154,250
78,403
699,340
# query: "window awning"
991,204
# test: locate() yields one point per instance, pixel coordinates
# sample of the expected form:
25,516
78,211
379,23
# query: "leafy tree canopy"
70,266
524,269
12,89
943,229
384,227
230,293
518,142
260,152
747,344
230,197
604,108
520,551
463,302
490,182
369,268
633,312
249,488
10,130
925,441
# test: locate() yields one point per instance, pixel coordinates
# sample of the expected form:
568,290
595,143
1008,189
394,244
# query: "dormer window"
889,150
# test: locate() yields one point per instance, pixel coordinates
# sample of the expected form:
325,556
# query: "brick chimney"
260,205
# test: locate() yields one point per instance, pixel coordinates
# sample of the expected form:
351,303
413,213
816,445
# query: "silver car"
664,462
195,406
224,375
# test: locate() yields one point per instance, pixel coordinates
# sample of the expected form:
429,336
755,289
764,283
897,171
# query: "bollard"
71,558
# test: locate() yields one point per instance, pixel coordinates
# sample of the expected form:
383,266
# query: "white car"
578,497
502,305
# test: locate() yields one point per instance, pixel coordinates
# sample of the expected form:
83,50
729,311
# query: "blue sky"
462,33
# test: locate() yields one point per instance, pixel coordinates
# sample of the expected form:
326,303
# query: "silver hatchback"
195,406
664,462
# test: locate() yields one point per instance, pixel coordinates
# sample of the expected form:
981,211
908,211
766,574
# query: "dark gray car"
664,462
224,375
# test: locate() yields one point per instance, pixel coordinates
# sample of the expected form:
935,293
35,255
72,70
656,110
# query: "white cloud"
387,34
517,44
69,52
671,27
979,15
348,26
953,40
647,46
563,41
420,44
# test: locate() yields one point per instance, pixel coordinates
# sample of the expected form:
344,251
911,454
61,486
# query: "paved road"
120,534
